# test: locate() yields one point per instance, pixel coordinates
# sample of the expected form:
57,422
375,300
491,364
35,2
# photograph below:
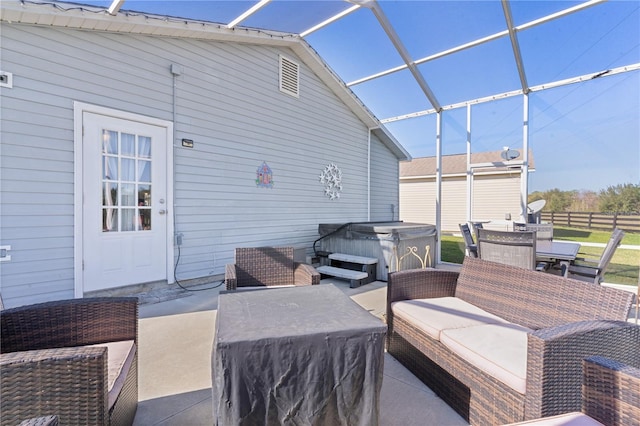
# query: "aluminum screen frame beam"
329,21
402,50
504,95
483,40
253,9
515,45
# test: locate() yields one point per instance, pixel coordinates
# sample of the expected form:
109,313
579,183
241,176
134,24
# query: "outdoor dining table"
298,355
563,252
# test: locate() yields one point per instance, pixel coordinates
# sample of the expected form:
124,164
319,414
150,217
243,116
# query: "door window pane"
144,147
128,170
110,194
144,171
109,168
109,142
109,220
145,219
129,221
128,143
144,195
128,194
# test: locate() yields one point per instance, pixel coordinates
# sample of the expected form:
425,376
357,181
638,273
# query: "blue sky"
583,136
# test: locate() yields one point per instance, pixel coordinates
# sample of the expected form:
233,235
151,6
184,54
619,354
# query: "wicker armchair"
52,364
268,267
611,388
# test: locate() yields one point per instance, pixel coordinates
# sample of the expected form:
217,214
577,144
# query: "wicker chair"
268,267
611,388
53,362
509,248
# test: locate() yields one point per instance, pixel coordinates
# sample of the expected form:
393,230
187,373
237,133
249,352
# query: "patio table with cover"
305,355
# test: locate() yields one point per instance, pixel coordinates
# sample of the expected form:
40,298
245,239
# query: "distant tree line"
620,198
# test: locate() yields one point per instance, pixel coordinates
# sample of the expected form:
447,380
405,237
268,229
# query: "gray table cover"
296,356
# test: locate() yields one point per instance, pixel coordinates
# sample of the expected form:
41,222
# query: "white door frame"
79,108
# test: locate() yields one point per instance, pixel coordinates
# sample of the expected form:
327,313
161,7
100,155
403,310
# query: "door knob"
162,211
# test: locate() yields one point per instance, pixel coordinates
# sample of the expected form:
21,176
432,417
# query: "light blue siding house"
136,149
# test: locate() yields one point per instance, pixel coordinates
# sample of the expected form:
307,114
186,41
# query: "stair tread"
342,273
353,259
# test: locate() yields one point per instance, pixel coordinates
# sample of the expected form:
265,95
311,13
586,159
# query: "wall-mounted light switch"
6,79
4,256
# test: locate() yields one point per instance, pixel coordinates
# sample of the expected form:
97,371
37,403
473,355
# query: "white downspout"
369,177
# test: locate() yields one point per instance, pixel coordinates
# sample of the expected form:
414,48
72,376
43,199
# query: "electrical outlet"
179,239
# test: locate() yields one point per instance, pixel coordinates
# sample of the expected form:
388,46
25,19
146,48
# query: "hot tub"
396,245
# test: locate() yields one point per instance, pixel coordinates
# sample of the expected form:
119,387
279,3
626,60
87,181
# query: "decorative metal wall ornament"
264,176
331,178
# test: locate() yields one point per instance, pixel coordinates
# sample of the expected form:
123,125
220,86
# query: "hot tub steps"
358,270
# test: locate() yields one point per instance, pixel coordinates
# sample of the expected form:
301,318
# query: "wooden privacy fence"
629,222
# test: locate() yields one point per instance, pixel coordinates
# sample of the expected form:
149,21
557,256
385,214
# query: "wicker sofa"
502,344
74,359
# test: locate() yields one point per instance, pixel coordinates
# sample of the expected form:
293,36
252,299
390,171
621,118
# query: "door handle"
162,212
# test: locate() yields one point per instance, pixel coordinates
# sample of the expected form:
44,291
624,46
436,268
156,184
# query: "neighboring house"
136,147
495,190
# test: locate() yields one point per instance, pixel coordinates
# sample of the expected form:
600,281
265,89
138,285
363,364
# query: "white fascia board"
83,17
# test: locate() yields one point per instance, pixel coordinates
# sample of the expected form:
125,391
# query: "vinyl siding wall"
493,196
228,103
385,174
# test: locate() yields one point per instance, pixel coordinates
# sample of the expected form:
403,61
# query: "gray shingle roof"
456,164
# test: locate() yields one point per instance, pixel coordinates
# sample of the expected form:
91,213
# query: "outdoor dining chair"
544,231
268,267
508,247
470,245
594,269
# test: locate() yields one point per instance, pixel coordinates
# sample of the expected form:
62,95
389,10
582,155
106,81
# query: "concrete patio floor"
176,336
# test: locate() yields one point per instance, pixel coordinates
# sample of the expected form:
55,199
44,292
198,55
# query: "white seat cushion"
569,419
499,350
442,313
120,355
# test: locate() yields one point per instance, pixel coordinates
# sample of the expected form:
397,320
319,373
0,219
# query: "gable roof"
83,17
457,165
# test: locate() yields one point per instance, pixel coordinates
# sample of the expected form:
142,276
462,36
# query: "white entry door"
125,209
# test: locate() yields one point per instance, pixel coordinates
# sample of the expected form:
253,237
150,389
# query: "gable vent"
289,77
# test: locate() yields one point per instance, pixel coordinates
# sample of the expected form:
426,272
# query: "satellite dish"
509,154
536,206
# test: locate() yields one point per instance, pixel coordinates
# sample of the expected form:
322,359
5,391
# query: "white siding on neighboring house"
495,189
418,201
228,102
493,197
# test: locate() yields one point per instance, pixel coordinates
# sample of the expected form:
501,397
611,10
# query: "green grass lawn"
623,269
